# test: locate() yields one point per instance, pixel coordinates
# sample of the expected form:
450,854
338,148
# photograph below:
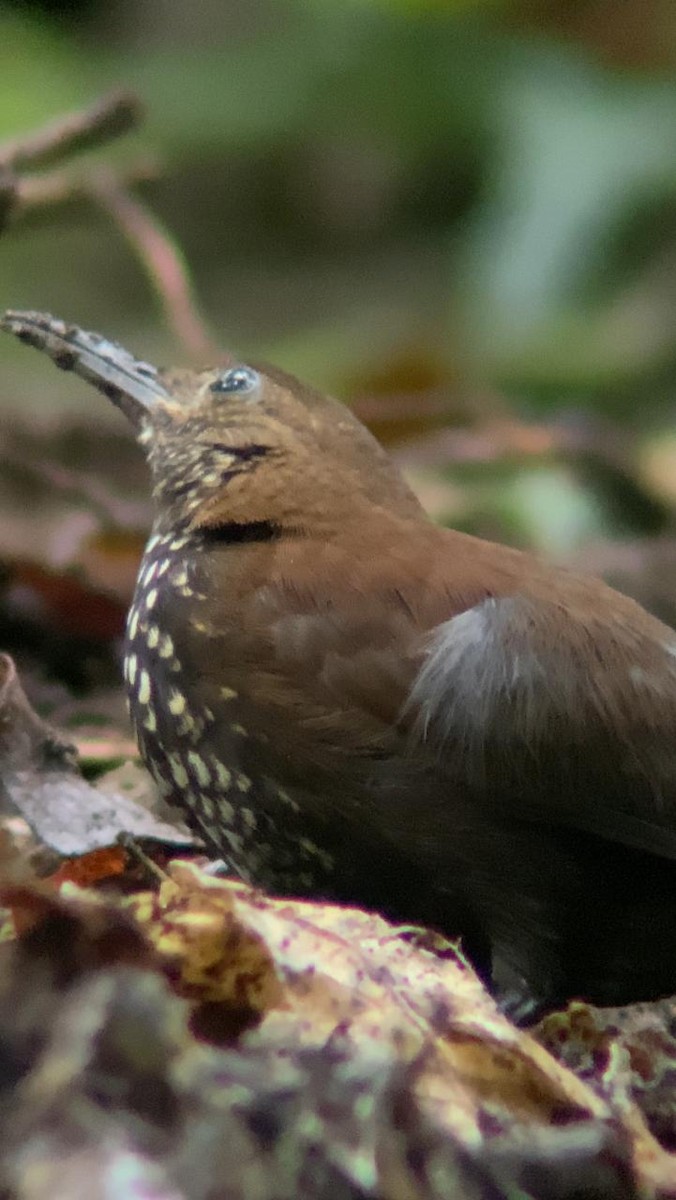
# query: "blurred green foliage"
487,188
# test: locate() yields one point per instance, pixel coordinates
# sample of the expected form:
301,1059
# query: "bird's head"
233,445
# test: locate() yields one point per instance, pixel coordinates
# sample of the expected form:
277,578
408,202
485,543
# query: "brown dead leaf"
628,1056
39,779
75,932
376,1067
92,868
62,602
309,968
297,973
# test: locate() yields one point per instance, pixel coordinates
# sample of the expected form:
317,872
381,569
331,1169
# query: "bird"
352,703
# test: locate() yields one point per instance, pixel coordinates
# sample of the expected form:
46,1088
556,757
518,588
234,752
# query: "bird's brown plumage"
350,701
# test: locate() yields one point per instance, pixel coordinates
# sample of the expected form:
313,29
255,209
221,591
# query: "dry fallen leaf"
294,974
40,780
371,1065
90,869
629,1057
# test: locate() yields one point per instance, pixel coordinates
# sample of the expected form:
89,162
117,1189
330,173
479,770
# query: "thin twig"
108,118
112,511
64,185
162,260
496,441
150,870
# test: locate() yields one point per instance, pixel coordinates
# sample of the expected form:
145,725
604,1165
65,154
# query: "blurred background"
458,216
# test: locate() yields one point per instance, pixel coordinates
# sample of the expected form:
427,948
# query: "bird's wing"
559,707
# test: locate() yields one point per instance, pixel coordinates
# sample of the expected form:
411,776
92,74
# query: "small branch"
64,185
493,442
110,117
87,490
162,260
160,257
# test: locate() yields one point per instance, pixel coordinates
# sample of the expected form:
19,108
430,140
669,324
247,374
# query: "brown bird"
351,702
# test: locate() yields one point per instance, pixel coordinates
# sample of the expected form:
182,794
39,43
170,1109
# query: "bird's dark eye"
238,379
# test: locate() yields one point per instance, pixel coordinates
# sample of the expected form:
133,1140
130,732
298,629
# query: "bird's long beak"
135,387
